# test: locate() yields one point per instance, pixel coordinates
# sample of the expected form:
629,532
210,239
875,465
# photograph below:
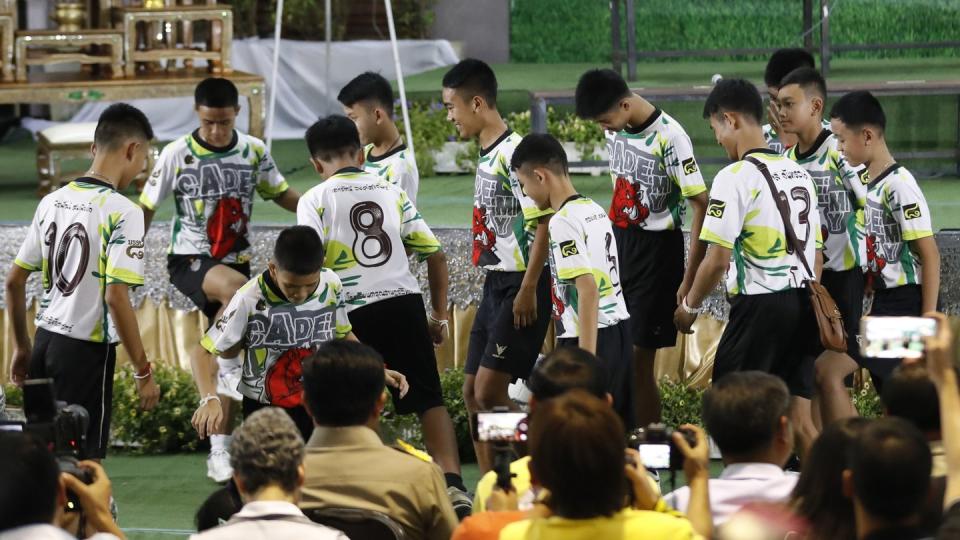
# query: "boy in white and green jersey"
842,195
368,101
278,318
213,175
86,239
588,306
509,243
902,259
771,325
781,62
368,227
654,174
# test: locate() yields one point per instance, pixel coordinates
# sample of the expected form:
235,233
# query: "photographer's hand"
94,498
696,467
644,496
502,501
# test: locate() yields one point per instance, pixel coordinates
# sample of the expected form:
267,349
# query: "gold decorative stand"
56,47
216,52
8,26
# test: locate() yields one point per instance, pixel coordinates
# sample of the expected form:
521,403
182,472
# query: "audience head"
217,103
469,91
858,121
267,450
124,133
818,496
297,262
602,95
219,507
734,107
368,101
334,143
746,413
541,164
802,96
577,453
910,394
31,491
888,474
343,384
565,369
783,62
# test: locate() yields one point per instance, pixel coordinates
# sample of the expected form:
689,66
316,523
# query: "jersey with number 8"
742,216
367,225
83,237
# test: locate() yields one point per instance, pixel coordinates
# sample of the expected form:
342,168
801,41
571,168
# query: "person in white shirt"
38,502
266,455
747,414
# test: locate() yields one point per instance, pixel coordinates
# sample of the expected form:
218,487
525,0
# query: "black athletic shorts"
397,329
772,333
615,351
298,414
494,342
903,301
651,271
846,289
82,373
187,273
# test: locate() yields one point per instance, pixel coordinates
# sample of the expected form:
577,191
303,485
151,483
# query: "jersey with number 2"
84,236
367,225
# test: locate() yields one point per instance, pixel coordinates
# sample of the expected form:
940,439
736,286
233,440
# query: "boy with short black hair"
588,307
841,196
509,242
369,226
771,324
212,174
278,318
86,239
903,261
781,62
653,170
368,101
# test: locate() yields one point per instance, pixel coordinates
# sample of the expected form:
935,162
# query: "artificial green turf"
164,492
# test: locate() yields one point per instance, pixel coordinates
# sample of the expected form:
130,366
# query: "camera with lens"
62,427
656,447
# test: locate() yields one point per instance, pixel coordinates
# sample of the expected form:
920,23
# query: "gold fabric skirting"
169,335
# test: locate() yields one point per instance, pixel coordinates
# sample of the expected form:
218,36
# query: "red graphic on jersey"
824,232
483,237
227,225
285,379
626,208
875,262
558,308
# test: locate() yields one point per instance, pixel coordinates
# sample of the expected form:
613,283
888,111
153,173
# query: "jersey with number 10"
84,236
366,226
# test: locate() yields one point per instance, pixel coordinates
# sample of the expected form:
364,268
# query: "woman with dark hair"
818,496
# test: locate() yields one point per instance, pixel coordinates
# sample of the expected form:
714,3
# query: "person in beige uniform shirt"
347,465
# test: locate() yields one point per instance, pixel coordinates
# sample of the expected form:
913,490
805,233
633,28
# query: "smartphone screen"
895,337
655,456
500,426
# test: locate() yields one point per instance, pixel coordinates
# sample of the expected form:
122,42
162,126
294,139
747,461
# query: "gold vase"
69,17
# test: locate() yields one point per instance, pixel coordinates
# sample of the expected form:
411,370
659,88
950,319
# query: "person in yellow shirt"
577,453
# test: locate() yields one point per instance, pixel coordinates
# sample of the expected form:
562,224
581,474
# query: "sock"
220,443
454,480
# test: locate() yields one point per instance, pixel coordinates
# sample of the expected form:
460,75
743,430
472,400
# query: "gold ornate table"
8,25
80,87
57,44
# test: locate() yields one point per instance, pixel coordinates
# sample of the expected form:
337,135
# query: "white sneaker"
228,378
218,466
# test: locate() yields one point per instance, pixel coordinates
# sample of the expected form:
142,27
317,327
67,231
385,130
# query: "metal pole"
825,38
631,41
273,78
328,33
807,24
408,130
615,34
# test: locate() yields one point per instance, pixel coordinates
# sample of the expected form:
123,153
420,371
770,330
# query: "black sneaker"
462,502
